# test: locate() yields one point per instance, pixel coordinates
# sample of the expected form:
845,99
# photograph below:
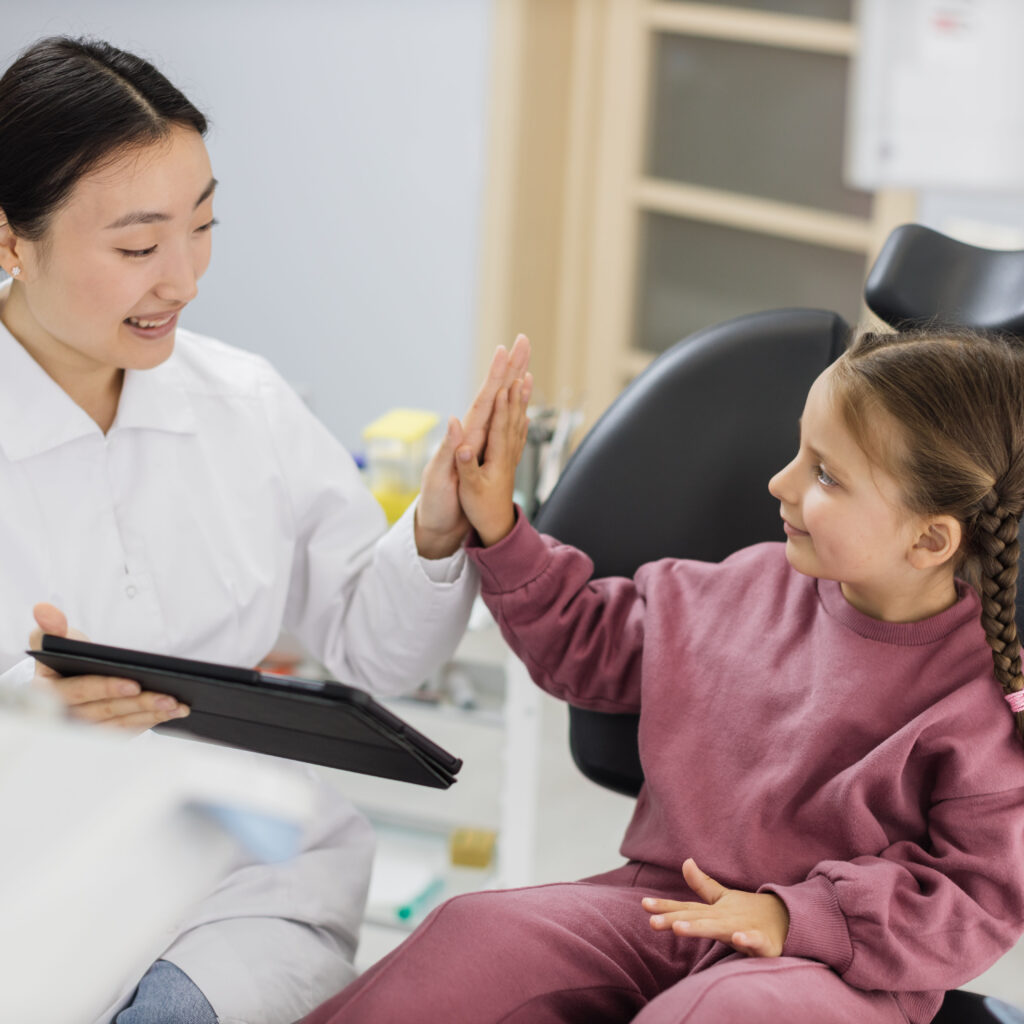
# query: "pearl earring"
15,271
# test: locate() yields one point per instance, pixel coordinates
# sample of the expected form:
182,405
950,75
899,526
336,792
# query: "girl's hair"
66,105
958,396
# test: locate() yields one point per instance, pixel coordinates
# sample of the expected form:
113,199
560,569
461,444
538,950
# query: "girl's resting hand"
755,923
440,522
111,701
486,489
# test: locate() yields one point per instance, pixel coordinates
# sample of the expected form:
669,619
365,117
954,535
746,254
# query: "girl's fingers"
466,465
480,410
656,905
497,438
753,943
702,884
518,359
527,389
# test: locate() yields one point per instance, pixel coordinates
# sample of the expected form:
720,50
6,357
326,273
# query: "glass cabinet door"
746,207
757,120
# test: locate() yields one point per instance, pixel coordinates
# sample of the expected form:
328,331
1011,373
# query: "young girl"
172,493
827,730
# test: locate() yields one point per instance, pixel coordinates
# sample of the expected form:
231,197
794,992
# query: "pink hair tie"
1016,700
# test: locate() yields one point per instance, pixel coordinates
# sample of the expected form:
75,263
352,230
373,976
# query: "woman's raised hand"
755,923
441,523
486,488
117,702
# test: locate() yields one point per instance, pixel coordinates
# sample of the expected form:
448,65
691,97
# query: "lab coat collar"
37,415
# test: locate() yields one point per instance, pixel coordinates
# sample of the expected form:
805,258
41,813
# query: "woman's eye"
823,478
135,254
209,224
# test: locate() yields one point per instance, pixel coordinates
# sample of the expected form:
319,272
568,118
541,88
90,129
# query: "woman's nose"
179,280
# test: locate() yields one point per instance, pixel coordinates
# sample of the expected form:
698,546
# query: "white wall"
348,139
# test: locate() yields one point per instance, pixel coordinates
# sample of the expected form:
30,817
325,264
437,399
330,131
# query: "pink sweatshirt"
867,772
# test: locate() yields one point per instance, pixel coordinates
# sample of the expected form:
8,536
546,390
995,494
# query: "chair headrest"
922,277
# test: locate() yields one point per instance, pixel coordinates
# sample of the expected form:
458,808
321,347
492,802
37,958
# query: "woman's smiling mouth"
151,326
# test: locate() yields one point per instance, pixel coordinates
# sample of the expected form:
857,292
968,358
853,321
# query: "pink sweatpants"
585,952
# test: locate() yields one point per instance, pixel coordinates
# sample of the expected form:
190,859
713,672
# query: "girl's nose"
781,485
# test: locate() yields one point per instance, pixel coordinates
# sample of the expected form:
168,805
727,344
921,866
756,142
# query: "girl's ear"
937,542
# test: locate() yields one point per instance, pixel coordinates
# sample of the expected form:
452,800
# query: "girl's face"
845,519
120,260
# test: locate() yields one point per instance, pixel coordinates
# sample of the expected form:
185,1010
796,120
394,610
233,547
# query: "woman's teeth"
136,322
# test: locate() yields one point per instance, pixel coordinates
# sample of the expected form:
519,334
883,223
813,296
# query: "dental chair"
716,416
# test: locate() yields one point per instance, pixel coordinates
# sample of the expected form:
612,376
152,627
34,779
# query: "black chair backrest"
922,277
679,466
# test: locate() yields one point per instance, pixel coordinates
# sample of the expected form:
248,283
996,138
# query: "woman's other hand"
755,923
104,699
441,524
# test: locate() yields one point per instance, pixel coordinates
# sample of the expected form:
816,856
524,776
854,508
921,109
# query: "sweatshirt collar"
37,415
904,634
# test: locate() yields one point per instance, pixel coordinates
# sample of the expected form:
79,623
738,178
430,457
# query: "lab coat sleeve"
361,598
20,674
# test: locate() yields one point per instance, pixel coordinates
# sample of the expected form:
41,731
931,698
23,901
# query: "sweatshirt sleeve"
581,639
918,917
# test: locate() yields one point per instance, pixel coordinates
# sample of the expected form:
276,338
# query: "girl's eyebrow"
153,216
833,468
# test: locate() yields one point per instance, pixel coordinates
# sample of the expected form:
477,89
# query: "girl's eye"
134,254
209,224
823,478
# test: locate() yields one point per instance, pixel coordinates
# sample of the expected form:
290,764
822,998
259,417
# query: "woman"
170,493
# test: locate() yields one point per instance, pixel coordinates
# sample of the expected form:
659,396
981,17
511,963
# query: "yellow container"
398,445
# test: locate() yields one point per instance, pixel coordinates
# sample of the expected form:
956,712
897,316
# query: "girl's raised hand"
486,488
755,923
440,524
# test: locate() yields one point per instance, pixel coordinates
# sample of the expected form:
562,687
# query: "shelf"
412,874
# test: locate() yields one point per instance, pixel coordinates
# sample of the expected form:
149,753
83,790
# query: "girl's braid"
997,535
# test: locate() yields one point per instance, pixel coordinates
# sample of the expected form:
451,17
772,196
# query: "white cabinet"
497,739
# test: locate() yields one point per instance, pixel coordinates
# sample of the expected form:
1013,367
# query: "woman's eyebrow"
155,217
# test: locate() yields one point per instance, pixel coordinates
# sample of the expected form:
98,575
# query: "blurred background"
407,183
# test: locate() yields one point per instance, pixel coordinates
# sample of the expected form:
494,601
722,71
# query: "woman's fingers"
74,690
113,701
143,710
49,619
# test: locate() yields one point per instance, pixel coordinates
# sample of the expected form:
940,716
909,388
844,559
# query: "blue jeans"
167,995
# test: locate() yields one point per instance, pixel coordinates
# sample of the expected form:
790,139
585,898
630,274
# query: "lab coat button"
131,590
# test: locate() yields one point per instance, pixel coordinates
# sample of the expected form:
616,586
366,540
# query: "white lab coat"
216,510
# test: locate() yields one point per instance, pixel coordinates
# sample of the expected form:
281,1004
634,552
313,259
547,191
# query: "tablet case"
326,723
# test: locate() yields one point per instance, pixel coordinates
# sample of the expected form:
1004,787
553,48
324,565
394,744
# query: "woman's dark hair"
66,105
957,397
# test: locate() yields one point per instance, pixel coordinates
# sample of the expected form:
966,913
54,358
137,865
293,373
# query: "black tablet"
326,723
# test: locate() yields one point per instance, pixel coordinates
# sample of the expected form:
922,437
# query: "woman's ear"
8,244
937,542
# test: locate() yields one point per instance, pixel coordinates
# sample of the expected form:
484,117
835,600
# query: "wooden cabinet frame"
566,187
